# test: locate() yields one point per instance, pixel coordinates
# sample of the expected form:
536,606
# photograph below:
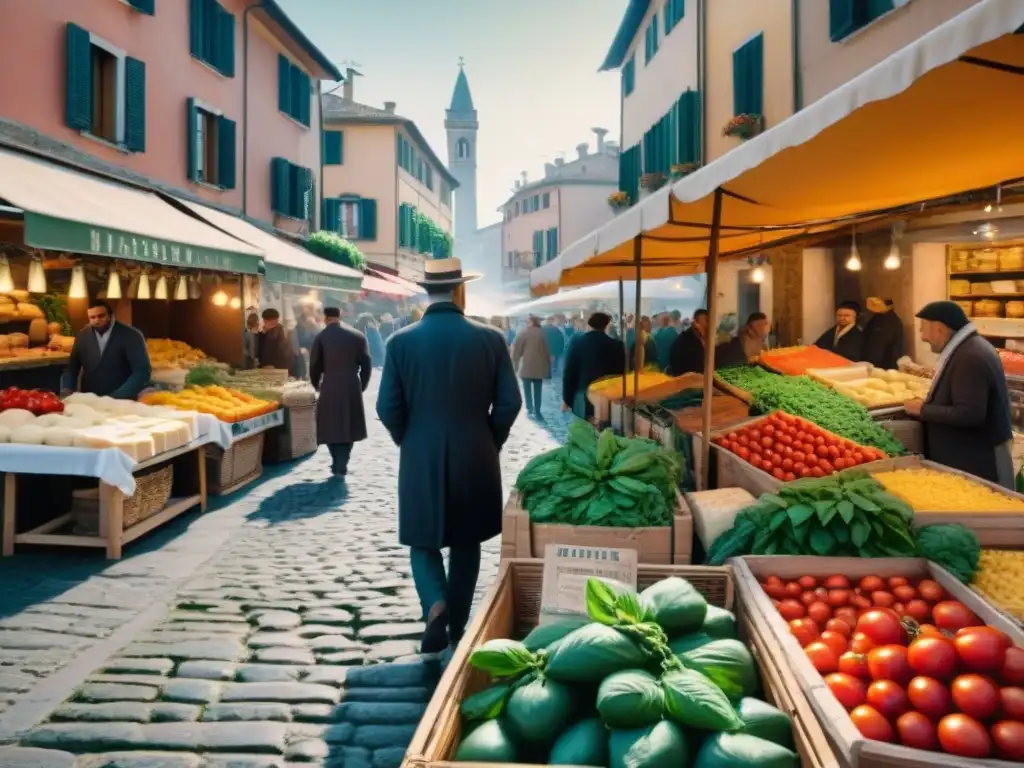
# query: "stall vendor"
110,357
746,345
966,414
844,338
883,335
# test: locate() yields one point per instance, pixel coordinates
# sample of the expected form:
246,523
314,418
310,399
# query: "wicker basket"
296,438
242,463
152,492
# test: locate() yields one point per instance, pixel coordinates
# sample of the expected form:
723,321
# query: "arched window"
462,149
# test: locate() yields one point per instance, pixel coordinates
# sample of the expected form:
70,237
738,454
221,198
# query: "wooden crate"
511,609
661,545
850,748
236,467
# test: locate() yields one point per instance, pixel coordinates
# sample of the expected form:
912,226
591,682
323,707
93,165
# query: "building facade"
384,187
212,100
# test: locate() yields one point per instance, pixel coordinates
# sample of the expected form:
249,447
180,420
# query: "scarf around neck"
947,352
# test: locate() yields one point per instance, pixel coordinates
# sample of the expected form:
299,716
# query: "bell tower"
462,126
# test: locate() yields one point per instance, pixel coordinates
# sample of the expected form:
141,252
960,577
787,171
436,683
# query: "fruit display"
35,401
225,404
931,490
655,679
606,481
910,663
262,384
611,386
872,387
801,396
788,447
794,361
1000,578
167,354
1013,362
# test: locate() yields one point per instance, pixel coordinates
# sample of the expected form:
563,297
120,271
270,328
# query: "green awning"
66,210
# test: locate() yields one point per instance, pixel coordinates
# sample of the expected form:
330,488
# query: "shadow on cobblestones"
300,501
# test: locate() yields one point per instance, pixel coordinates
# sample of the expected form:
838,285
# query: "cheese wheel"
82,398
16,417
81,411
28,434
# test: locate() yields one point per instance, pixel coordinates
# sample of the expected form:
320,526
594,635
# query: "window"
538,247
847,16
674,12
429,178
291,189
551,243
516,209
629,76
651,40
547,200
334,148
293,91
535,205
748,77
144,6
351,216
630,163
687,125
211,146
212,35
446,194
462,149
105,91
658,146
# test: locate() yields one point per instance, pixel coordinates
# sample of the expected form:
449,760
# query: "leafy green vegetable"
675,605
203,376
763,720
546,635
952,546
662,745
727,663
591,653
539,710
490,742
725,750
719,623
694,700
486,704
503,658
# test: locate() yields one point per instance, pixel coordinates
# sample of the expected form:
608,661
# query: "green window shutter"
305,101
756,70
840,19
143,6
332,147
226,152
225,43
301,179
295,80
284,84
739,81
367,219
331,215
134,105
401,226
688,127
280,185
878,8
78,85
191,136
547,199
196,17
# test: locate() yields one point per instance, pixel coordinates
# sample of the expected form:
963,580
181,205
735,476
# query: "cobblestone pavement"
279,629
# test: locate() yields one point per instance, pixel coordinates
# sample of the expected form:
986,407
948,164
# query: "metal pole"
637,346
709,341
622,335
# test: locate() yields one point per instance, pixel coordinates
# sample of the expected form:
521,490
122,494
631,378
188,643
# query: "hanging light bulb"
78,288
757,276
113,284
161,288
6,279
181,289
220,299
235,303
36,276
893,260
143,294
854,263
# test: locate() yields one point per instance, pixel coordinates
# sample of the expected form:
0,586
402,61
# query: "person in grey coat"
448,397
966,414
340,368
111,357
532,359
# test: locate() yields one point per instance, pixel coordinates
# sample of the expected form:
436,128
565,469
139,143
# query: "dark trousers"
340,454
456,588
532,389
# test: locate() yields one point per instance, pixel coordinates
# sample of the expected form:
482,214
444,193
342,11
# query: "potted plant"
330,246
653,181
679,170
745,126
619,200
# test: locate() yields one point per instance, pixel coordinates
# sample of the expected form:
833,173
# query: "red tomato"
904,594
834,452
769,429
932,657
871,584
917,731
931,591
819,440
789,477
1013,666
918,610
975,695
776,461
849,690
981,649
817,471
822,657
787,465
897,581
871,724
837,598
930,630
811,460
791,609
861,643
889,662
882,626
1008,737
820,612
835,641
837,581
1011,699
767,442
855,665
804,630
777,473
888,698
858,457
929,697
839,626
847,614
755,434
953,615
808,598
883,599
798,457
775,591
861,603
826,466
964,736
793,589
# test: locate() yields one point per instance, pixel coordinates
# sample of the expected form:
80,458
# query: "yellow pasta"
931,491
1000,577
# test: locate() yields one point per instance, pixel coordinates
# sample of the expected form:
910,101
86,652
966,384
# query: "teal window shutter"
301,178
332,147
280,186
367,219
225,50
331,214
196,25
191,137
295,78
739,81
840,19
134,105
78,86
756,64
143,6
226,152
305,103
402,235
878,8
748,77
688,127
284,84
547,199
629,76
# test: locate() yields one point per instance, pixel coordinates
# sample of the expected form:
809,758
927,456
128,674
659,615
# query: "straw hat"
445,272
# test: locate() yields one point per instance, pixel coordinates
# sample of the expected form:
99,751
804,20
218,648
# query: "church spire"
462,100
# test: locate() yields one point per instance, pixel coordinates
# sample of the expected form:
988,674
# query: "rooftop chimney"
582,149
601,133
389,107
549,170
350,81
559,162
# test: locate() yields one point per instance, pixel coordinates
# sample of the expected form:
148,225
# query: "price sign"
566,570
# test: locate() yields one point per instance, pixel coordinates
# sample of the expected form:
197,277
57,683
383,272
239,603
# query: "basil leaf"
845,510
799,513
773,500
859,533
487,704
692,699
502,658
822,541
600,598
866,504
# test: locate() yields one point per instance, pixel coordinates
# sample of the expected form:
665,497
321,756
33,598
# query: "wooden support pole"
709,341
622,334
638,347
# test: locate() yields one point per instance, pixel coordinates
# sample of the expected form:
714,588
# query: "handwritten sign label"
566,570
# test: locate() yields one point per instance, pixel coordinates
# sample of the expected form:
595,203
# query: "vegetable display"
606,480
873,387
935,491
795,361
228,405
611,386
911,664
654,680
1000,578
800,396
787,448
35,401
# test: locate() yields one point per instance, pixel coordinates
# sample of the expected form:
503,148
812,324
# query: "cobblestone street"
279,629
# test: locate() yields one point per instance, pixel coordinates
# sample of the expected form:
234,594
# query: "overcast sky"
532,68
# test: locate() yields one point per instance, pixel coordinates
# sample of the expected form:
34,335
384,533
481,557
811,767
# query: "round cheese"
28,434
82,398
15,417
82,412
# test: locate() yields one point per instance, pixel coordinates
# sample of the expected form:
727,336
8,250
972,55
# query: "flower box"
745,126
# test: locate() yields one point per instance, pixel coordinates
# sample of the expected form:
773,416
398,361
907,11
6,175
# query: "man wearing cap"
966,414
844,338
449,397
883,334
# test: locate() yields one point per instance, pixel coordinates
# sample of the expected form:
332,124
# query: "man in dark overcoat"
449,397
110,357
844,338
966,414
592,356
340,368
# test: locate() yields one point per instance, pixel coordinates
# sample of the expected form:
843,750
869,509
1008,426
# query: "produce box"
851,748
870,386
795,361
661,545
511,609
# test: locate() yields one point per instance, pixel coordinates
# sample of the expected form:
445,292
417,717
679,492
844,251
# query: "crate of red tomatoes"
902,664
761,454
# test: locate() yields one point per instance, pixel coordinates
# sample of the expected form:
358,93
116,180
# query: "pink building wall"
32,91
